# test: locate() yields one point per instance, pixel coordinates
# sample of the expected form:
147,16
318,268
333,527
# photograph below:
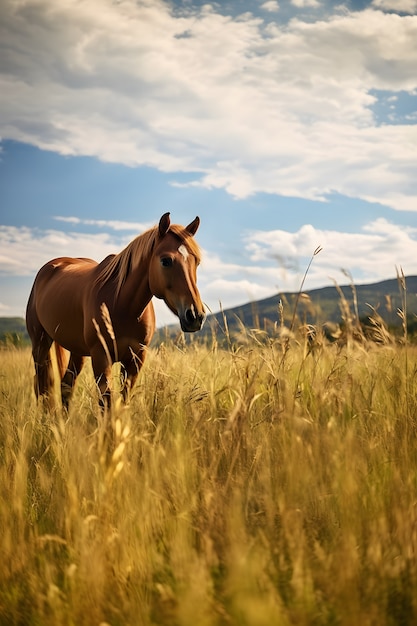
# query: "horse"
105,311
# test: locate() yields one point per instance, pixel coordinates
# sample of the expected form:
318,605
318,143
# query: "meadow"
260,482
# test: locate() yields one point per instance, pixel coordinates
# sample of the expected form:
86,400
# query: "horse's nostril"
190,315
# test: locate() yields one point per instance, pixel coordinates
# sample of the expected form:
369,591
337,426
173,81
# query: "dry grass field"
270,482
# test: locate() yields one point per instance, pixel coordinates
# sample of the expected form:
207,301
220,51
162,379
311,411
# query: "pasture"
270,482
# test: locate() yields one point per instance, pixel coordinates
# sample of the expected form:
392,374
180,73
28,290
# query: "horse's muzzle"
191,320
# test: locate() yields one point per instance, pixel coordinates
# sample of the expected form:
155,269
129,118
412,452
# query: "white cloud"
271,5
251,106
403,6
369,256
301,4
25,250
138,227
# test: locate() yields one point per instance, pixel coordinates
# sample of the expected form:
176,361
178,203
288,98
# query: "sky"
285,125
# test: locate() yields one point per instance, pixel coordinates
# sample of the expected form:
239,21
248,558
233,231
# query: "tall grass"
269,482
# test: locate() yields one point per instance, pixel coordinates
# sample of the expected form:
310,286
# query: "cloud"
301,4
138,227
5,310
402,6
249,105
370,255
25,250
271,5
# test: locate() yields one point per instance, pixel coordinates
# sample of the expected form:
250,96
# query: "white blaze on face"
183,251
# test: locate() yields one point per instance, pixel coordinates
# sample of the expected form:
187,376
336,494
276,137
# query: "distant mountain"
316,306
13,329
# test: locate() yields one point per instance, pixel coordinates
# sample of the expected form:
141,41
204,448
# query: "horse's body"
105,310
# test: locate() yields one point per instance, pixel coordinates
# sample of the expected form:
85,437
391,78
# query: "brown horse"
105,310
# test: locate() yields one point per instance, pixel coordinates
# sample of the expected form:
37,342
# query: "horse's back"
59,277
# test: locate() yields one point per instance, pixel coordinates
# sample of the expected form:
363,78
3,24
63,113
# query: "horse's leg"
131,371
102,372
74,367
41,344
44,377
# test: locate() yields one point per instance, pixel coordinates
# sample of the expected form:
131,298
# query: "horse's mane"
139,251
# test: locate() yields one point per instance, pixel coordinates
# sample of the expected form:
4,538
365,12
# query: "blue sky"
284,125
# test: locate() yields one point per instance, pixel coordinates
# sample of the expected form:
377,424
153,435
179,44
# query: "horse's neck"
135,293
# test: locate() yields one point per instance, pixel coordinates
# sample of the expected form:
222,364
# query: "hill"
13,330
316,306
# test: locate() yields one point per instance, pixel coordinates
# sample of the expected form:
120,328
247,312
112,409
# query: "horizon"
222,310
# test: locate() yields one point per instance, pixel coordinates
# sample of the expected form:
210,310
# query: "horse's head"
173,272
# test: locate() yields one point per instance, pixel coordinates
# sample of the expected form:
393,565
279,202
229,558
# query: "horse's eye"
166,261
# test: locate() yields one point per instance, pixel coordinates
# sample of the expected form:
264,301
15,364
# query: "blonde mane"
139,251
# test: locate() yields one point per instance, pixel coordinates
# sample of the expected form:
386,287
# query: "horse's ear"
193,227
164,224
